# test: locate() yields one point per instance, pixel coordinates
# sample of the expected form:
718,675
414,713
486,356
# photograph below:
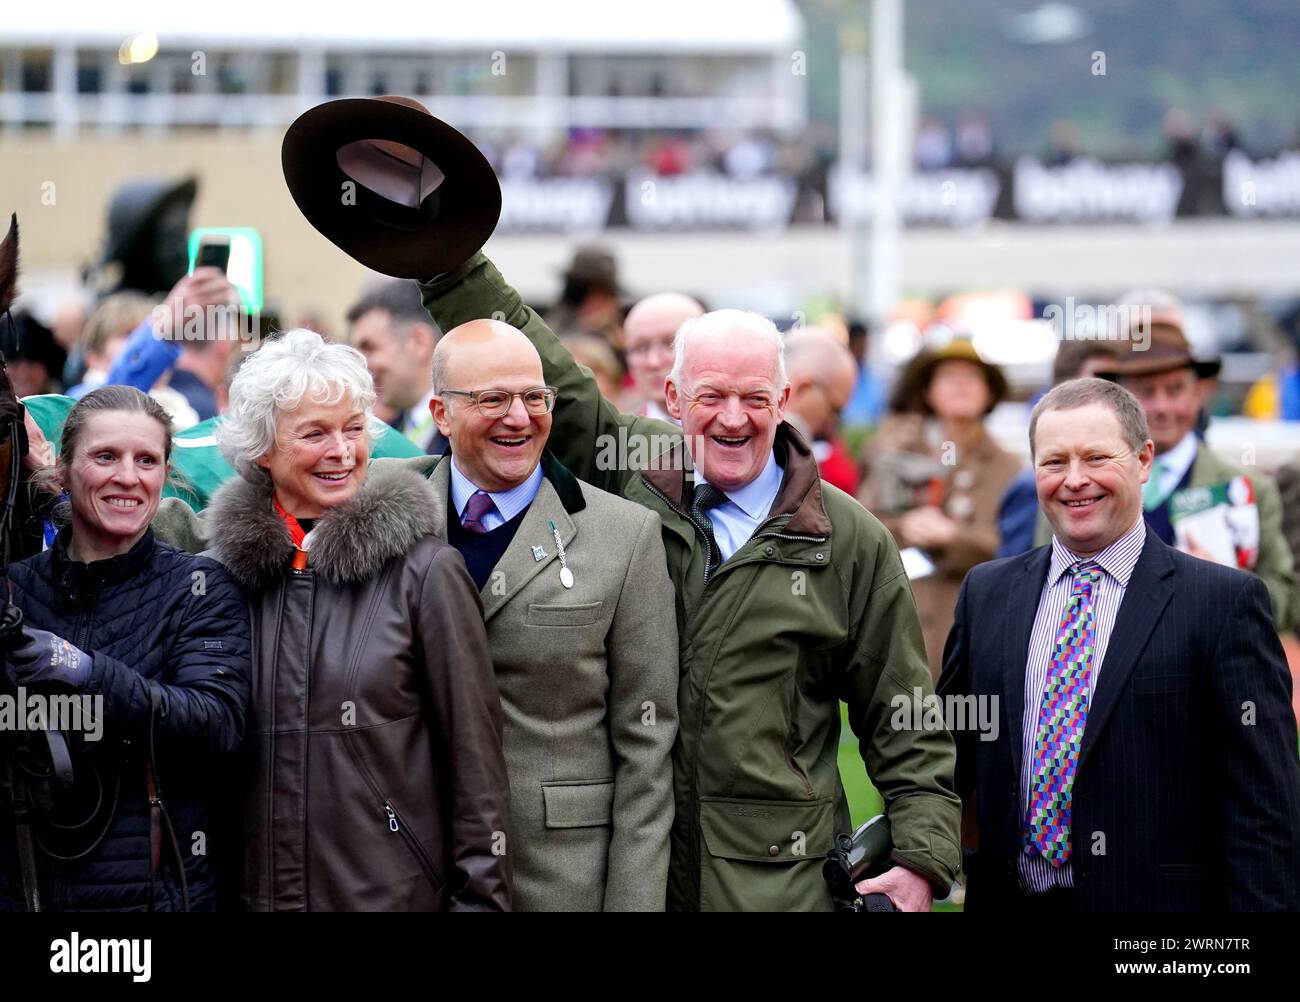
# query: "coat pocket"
579,805
397,824
767,831
564,615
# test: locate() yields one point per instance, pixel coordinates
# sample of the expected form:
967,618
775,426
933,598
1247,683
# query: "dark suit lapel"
1149,591
519,564
1022,598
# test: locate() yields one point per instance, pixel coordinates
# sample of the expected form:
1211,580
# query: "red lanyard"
295,533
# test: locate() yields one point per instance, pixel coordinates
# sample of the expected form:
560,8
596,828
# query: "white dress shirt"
746,508
1116,562
1175,463
508,503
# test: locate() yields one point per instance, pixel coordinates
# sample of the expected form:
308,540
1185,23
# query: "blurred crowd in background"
966,140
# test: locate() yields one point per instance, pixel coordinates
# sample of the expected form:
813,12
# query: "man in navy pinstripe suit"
1146,758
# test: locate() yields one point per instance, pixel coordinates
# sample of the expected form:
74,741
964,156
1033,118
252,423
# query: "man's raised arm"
590,436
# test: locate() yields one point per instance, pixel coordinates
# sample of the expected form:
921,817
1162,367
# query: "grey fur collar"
393,510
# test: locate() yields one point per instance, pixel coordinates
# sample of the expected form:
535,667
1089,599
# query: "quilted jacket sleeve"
202,693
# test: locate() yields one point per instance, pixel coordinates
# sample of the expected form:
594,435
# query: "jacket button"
821,556
774,850
769,551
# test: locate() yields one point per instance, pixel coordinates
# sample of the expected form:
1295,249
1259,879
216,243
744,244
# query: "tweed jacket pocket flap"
564,615
579,805
767,831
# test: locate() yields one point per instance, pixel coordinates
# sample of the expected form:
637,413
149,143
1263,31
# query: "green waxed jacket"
815,608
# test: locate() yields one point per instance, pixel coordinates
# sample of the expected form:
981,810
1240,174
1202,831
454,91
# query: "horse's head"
13,437
9,266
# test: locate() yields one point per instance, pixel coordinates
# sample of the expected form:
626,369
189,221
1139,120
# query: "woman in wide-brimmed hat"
935,477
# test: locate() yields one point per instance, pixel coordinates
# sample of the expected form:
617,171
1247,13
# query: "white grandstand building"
514,65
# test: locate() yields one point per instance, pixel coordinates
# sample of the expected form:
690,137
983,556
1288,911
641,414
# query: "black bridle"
15,783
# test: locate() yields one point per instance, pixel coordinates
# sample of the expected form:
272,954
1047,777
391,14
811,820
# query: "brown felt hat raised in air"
422,198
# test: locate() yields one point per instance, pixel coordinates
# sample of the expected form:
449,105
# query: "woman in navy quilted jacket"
153,643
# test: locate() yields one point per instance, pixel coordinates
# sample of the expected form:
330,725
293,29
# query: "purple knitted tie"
476,508
1061,719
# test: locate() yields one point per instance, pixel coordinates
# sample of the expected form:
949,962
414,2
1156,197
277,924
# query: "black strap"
16,434
60,756
16,794
158,816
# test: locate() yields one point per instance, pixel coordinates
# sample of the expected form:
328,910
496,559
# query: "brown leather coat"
376,775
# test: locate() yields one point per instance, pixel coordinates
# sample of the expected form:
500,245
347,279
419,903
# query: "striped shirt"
1117,562
509,503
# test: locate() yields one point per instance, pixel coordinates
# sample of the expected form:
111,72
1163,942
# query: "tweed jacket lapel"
440,481
518,565
1208,469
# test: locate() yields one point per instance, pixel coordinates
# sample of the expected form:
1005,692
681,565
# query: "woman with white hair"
376,779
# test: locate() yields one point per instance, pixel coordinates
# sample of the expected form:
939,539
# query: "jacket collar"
393,510
800,496
1181,458
556,473
533,547
1208,469
72,575
565,483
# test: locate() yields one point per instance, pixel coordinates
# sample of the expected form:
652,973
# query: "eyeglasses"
497,403
650,347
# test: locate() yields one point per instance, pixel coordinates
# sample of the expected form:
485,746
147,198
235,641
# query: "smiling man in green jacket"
790,598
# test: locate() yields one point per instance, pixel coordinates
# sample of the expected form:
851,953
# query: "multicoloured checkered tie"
1061,719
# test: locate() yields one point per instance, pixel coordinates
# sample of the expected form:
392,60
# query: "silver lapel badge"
566,575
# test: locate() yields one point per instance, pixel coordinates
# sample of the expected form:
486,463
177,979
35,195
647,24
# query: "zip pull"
392,817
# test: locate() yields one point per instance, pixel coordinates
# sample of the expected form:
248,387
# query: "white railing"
523,113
